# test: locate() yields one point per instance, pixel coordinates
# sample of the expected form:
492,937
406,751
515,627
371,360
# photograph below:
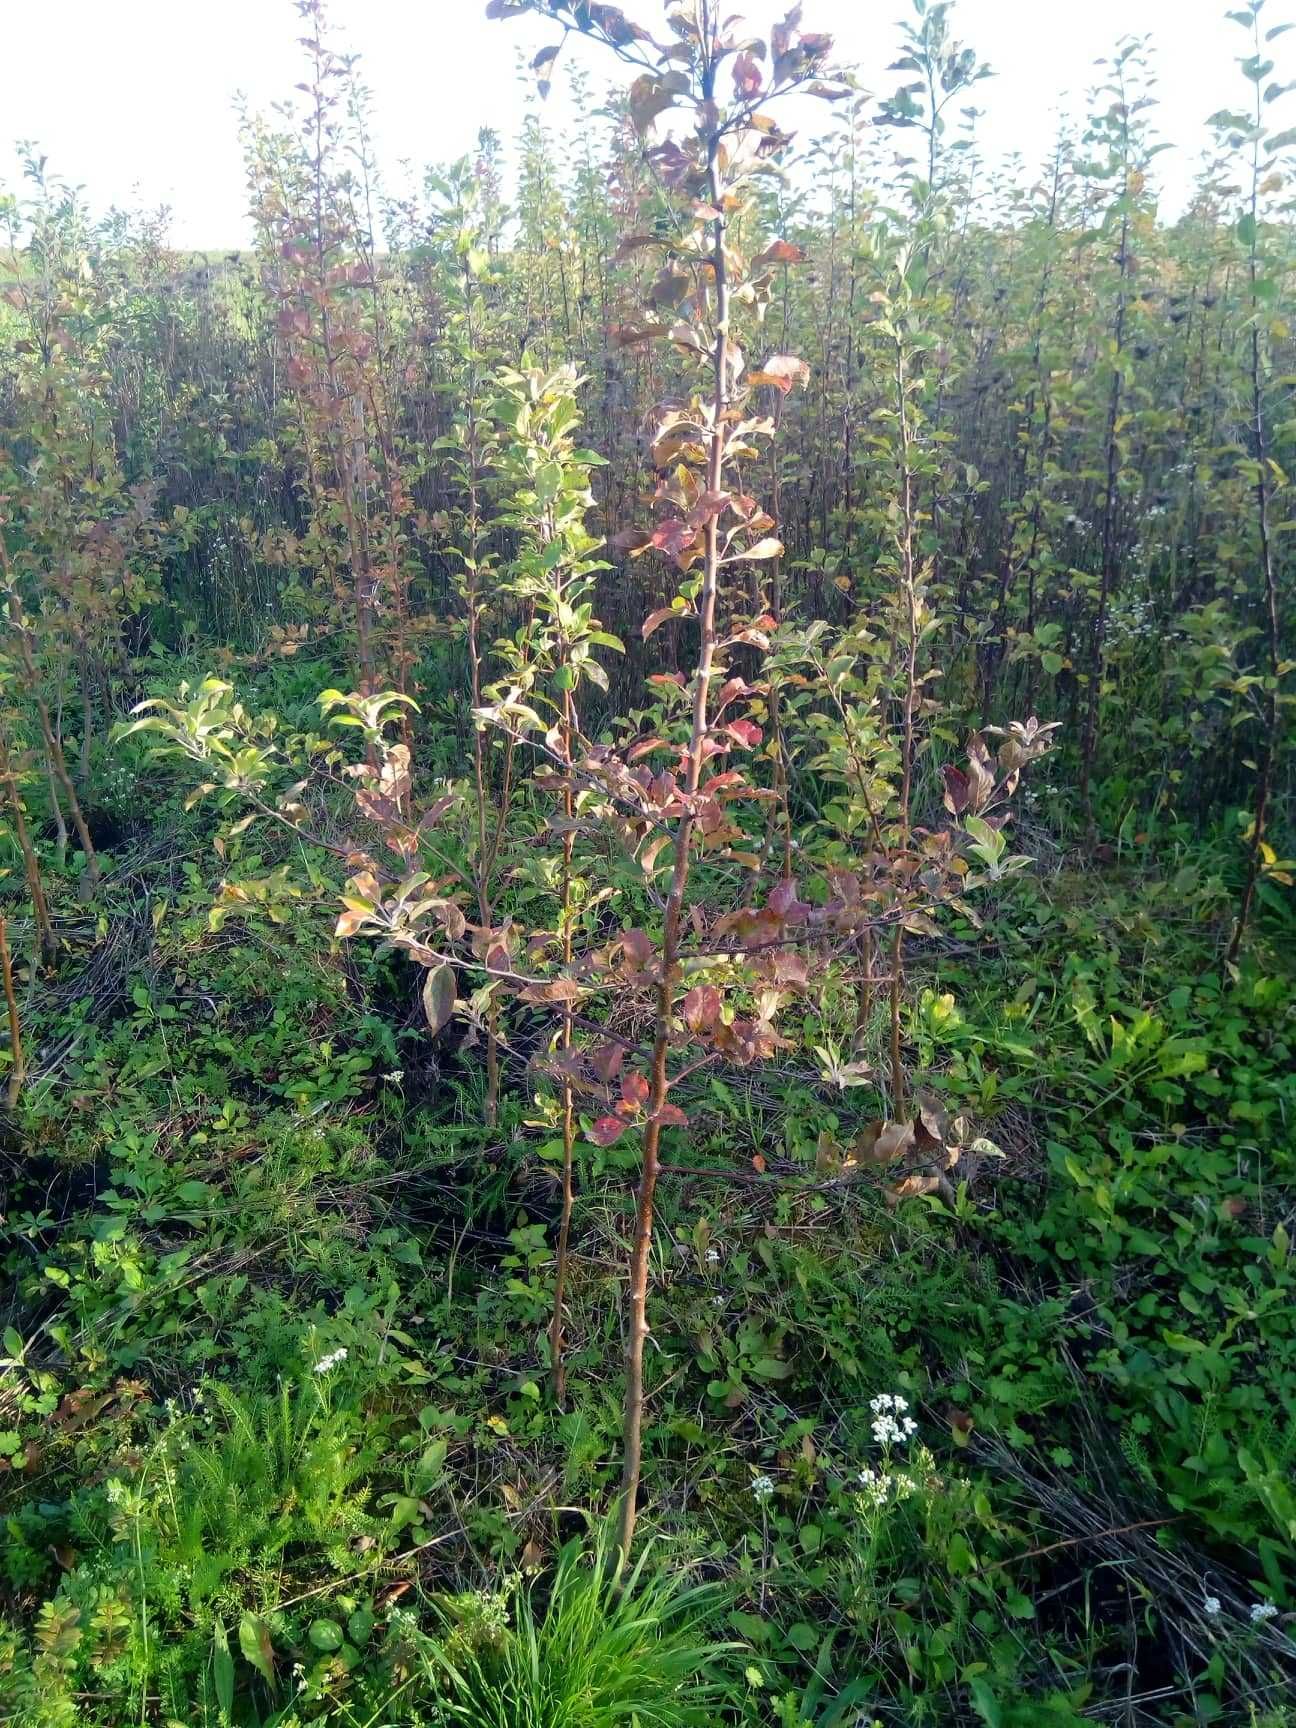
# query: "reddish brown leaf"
659,617
745,732
637,946
673,536
784,896
780,252
671,1116
649,97
631,540
634,1089
606,1060
747,77
958,792
701,1007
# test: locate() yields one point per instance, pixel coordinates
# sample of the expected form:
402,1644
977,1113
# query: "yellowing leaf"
439,996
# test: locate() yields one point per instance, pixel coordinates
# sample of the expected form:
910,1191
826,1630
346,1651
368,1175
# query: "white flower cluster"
1129,619
891,1426
327,1363
762,1487
713,1256
880,1488
1260,1611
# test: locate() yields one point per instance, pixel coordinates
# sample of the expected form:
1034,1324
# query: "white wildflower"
875,1489
713,1256
762,1487
891,1426
1262,1611
1212,1606
893,1430
326,1364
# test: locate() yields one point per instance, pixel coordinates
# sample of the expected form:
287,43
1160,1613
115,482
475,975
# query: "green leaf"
770,1368
325,1635
222,1670
985,1703
256,1645
959,1558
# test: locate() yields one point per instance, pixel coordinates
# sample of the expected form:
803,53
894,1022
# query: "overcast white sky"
133,98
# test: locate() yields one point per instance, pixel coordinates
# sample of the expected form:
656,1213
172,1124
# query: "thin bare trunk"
1107,577
46,939
907,743
1268,752
56,809
659,1079
557,1359
897,1058
53,749
484,863
18,1070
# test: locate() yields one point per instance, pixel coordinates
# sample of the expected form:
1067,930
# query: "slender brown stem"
46,939
909,595
18,1071
778,741
864,987
1268,751
897,1059
659,1079
53,749
558,1366
1107,577
482,863
487,848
